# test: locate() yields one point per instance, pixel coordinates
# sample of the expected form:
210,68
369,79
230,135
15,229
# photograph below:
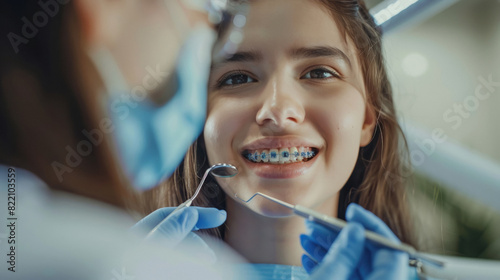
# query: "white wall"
460,45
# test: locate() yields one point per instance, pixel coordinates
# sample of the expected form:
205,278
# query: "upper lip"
277,143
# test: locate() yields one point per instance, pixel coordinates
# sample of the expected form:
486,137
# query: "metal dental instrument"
338,224
222,170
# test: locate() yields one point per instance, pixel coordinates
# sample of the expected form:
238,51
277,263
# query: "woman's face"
288,109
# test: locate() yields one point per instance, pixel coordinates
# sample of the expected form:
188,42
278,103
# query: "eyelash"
334,74
220,83
223,79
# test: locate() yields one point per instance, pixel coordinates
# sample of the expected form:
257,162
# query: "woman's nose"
279,107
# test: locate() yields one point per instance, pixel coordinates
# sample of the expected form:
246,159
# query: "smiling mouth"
281,156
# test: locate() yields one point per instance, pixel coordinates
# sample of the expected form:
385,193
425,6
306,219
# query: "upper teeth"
283,155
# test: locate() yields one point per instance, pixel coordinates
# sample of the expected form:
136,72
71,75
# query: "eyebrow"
321,51
246,56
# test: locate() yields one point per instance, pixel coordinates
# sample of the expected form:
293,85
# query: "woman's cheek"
340,127
214,135
343,116
222,125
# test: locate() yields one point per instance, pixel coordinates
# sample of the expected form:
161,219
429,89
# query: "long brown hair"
378,180
48,96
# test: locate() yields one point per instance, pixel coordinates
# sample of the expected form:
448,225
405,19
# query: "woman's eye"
236,79
320,73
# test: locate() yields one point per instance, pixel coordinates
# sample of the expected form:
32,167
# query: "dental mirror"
222,170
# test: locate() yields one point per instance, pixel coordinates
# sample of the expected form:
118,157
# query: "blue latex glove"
179,227
347,255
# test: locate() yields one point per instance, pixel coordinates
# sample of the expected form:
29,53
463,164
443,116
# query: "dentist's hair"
378,182
49,95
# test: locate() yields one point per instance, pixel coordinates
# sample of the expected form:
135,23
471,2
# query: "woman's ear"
368,126
100,20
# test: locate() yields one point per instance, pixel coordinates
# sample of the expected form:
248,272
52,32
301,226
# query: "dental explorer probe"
338,224
222,170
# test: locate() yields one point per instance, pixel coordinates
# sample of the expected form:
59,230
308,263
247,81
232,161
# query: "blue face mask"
152,139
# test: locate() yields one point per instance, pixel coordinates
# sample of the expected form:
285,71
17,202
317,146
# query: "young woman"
304,110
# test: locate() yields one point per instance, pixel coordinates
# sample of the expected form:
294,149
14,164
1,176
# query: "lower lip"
280,171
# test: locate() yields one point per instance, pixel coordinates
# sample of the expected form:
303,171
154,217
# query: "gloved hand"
347,255
179,227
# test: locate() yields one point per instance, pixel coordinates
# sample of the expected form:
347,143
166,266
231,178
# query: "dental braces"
275,156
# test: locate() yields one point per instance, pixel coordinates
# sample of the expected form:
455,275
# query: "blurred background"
444,60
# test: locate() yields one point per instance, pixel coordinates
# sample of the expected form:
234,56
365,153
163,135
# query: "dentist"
88,88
